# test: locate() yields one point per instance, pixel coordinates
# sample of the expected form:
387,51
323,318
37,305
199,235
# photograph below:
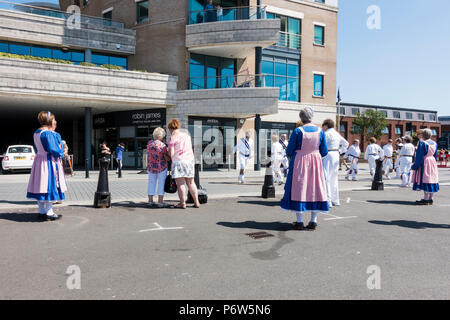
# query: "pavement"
132,186
133,252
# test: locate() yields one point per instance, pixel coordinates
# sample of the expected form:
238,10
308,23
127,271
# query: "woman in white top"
277,153
406,158
372,154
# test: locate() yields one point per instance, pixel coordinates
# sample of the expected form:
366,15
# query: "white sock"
299,217
314,217
49,208
41,207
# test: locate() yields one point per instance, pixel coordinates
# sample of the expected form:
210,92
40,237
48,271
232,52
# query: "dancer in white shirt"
244,149
277,154
388,165
353,153
372,154
335,142
398,145
406,159
285,162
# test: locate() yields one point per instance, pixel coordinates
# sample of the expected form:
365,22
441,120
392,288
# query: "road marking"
158,227
337,217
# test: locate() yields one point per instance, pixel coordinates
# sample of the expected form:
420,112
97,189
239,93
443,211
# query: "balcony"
38,83
233,34
290,40
237,96
24,23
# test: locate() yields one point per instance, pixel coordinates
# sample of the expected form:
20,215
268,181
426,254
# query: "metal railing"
227,14
224,82
10,6
290,40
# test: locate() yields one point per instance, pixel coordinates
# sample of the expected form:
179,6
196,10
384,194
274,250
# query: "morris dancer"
47,183
244,149
353,153
388,165
305,188
277,154
425,175
372,154
335,142
406,155
398,145
285,162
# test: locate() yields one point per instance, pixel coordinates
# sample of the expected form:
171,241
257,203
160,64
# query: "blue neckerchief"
246,144
283,145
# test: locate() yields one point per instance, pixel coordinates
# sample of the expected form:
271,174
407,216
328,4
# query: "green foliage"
416,138
88,64
370,124
24,57
111,67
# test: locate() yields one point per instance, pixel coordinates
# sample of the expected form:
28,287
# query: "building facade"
401,121
251,65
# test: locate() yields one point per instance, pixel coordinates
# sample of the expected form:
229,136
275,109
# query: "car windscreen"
20,150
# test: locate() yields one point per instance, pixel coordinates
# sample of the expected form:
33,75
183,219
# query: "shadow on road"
20,217
411,224
273,226
399,202
236,183
263,203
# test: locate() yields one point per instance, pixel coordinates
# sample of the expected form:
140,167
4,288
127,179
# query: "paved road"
207,254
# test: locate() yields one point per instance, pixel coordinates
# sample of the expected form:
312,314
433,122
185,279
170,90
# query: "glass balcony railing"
227,14
225,82
290,40
7,5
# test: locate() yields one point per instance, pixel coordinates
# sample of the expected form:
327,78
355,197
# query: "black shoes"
311,226
424,202
299,226
44,217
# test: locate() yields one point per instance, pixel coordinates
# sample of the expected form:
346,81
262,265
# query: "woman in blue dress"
305,188
47,183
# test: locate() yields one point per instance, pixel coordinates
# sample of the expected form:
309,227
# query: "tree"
369,124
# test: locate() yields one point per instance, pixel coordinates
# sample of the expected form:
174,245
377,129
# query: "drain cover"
259,235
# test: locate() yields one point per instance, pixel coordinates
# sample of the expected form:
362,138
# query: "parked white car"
18,157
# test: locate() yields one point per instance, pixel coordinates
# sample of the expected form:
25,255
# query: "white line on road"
337,217
158,227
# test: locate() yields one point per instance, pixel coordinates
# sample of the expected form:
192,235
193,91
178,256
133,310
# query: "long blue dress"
51,142
295,143
418,167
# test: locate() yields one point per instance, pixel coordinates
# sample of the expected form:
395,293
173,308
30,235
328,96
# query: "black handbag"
170,186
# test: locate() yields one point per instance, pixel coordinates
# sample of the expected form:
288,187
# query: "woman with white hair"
305,188
276,155
158,157
425,174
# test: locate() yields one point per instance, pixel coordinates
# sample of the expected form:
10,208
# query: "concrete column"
88,55
87,135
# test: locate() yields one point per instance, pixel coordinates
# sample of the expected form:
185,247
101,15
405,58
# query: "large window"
290,31
396,114
57,53
409,115
284,74
142,11
207,72
319,35
318,85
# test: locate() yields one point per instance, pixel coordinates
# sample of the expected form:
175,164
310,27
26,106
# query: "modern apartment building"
401,121
251,64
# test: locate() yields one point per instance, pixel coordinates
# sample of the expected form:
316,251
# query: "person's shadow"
272,226
20,217
411,224
399,202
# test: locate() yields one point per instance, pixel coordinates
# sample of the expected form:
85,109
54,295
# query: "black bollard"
268,189
102,197
202,193
86,168
377,183
119,163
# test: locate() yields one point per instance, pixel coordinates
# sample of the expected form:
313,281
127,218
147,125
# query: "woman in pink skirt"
47,183
425,175
305,188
